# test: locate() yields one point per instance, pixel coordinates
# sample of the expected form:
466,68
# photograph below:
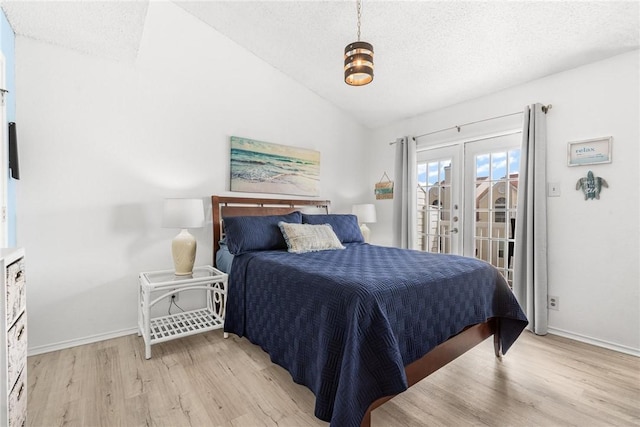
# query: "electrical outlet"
553,303
175,297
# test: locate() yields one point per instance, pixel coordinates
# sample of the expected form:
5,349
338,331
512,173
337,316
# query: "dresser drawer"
16,297
16,349
18,403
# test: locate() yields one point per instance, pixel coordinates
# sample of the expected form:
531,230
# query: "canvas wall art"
264,167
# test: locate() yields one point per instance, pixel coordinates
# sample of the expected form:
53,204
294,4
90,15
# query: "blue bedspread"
346,322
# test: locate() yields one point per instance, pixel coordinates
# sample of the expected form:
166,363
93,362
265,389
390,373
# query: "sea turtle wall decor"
591,186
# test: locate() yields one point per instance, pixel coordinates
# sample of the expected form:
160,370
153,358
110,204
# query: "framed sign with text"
589,152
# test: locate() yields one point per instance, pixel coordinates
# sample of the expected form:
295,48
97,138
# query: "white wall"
102,143
593,245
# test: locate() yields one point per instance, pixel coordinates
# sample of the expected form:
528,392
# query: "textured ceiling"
107,29
428,54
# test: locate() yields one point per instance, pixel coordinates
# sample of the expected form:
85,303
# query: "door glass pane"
482,166
496,195
434,206
514,162
498,165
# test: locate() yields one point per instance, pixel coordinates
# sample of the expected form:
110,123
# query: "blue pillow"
256,233
345,226
224,257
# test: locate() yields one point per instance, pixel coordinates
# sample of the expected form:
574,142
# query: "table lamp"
366,213
183,214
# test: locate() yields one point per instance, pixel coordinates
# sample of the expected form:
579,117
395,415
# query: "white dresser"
13,339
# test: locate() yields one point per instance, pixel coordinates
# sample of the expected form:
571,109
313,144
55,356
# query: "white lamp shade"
366,213
183,213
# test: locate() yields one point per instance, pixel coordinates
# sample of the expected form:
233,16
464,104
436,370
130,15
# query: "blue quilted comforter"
346,322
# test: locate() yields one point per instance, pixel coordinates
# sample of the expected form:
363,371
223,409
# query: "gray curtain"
404,194
530,254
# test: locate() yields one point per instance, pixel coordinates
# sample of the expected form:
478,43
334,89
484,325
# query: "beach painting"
263,167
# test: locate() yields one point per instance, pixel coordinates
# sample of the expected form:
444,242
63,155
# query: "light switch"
553,189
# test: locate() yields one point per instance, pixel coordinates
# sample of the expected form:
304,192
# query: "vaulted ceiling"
428,54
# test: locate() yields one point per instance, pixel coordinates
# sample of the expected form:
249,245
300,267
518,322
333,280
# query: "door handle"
454,231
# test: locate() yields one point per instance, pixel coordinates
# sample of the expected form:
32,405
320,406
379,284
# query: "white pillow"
303,238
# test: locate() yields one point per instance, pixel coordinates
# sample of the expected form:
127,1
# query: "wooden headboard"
222,206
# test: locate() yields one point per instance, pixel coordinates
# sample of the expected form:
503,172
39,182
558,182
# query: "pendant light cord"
359,6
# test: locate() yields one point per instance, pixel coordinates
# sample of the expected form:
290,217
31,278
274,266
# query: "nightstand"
163,284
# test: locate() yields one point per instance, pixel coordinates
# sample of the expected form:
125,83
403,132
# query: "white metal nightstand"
165,283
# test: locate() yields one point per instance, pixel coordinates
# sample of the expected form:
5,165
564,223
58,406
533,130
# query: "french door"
438,200
467,199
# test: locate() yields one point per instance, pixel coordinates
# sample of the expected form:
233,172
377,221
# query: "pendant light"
358,59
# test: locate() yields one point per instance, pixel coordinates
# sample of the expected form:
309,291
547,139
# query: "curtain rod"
545,109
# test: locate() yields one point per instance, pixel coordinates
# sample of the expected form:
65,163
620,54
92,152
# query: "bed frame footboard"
443,354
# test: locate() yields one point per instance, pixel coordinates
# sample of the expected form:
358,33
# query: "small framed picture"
589,152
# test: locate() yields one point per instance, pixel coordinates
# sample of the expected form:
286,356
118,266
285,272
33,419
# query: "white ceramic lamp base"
366,233
183,249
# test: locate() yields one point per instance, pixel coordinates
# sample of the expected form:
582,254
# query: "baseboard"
81,341
595,341
116,334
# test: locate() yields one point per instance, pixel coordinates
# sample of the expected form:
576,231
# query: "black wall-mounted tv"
13,151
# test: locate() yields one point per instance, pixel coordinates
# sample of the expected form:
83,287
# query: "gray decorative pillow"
303,238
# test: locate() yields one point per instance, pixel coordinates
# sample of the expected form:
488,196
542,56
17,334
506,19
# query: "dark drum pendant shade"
358,63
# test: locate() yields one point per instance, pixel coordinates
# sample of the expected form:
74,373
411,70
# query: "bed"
360,323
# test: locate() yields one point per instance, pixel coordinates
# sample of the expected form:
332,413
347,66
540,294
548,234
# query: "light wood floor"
205,380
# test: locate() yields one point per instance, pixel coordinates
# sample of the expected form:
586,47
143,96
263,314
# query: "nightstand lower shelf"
183,324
